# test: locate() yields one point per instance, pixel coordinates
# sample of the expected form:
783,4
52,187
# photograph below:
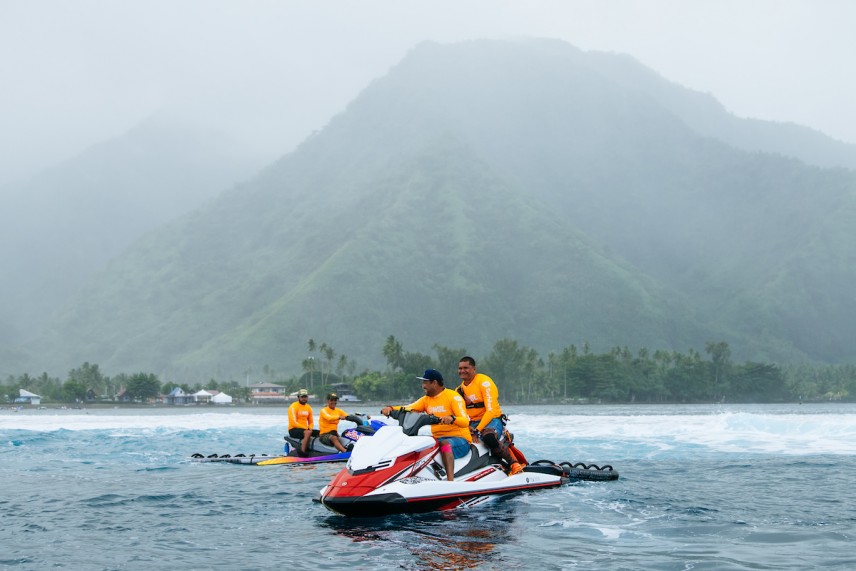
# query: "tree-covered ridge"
574,374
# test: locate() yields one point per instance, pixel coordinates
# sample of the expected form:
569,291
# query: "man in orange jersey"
300,421
328,422
453,432
482,399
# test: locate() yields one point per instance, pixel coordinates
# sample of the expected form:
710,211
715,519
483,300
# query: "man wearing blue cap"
453,432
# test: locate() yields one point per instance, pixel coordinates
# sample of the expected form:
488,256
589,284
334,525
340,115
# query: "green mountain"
486,190
62,226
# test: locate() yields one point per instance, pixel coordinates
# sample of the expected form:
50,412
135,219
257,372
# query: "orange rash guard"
328,419
482,390
299,416
447,403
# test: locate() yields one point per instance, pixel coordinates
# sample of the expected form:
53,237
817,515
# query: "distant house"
26,397
178,396
202,397
123,396
221,398
262,393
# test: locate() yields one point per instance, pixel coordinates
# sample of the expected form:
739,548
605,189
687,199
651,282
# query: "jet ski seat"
473,461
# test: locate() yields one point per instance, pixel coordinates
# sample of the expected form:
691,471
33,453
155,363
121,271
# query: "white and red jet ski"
399,470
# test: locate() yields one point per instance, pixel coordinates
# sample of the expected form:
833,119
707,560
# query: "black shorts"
299,432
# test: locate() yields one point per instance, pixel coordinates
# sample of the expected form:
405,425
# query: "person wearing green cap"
300,421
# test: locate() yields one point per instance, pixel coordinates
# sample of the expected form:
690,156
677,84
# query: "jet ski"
318,451
399,470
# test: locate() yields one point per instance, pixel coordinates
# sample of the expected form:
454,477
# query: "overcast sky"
75,72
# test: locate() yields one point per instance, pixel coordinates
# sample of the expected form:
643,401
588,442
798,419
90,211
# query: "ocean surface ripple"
701,487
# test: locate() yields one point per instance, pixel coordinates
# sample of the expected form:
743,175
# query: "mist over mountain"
59,228
704,114
486,190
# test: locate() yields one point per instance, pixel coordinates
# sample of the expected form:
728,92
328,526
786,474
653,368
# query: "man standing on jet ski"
482,399
453,432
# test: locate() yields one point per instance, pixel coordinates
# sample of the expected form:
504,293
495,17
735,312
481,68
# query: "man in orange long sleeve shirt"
300,421
482,399
328,423
453,432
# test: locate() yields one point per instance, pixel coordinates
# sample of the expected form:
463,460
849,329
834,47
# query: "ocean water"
701,487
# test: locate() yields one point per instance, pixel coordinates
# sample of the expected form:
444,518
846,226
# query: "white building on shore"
26,397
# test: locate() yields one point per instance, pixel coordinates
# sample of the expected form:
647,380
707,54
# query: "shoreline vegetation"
571,376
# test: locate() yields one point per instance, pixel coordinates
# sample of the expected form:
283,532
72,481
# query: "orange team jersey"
481,392
328,419
299,415
447,403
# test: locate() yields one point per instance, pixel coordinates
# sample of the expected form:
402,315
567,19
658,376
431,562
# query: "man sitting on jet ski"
486,418
328,422
453,431
300,422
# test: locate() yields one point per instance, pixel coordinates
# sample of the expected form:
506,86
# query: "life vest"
460,390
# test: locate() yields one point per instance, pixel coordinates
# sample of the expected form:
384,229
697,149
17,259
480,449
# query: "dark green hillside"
699,215
59,228
437,248
442,249
481,191
630,170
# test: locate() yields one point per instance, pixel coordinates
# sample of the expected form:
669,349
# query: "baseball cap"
431,375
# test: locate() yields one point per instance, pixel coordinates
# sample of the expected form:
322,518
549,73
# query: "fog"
270,72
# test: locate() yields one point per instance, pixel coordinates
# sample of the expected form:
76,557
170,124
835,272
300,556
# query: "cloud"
75,73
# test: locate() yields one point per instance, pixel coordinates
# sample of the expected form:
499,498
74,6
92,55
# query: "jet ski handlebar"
411,421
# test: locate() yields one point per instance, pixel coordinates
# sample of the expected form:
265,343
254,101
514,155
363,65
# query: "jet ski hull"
394,473
430,496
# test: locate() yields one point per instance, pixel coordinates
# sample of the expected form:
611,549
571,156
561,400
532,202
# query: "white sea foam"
725,432
729,432
49,420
